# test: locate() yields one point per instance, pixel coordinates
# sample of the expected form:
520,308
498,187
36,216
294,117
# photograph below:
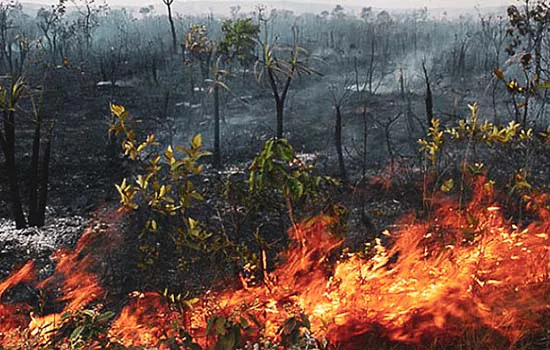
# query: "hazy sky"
374,3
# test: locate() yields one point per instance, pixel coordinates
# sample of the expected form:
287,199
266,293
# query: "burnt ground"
85,167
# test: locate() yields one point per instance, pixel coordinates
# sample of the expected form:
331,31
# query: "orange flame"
72,282
143,322
454,273
460,271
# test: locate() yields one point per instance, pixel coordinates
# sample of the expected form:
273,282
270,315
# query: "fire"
460,271
442,278
13,316
143,322
72,284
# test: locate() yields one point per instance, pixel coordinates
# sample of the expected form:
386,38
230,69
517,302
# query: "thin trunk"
33,195
365,126
338,143
365,140
390,148
525,110
280,117
87,30
356,70
11,169
279,100
516,109
496,118
44,180
50,45
217,149
9,57
401,84
173,29
428,99
371,63
54,49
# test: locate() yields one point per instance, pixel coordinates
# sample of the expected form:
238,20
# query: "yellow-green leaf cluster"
432,145
163,186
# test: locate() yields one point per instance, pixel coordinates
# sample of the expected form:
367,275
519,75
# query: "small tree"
280,72
338,98
162,188
239,41
215,85
14,46
8,100
528,26
199,47
89,12
50,21
168,4
428,98
39,174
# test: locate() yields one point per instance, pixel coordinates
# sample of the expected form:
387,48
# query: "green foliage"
178,337
9,98
278,167
165,187
162,187
227,331
287,68
473,140
432,145
474,131
488,133
84,327
291,331
239,42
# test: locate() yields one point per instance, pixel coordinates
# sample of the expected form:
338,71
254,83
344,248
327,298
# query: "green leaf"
220,326
75,335
296,188
105,316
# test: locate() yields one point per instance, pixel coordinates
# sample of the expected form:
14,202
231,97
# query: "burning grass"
463,278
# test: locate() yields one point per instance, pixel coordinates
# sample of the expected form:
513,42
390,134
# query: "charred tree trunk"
538,52
338,143
33,195
428,98
280,98
8,146
280,118
44,180
371,62
168,4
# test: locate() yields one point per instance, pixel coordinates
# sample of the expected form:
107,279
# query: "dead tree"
7,142
338,98
428,99
168,4
39,172
386,126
